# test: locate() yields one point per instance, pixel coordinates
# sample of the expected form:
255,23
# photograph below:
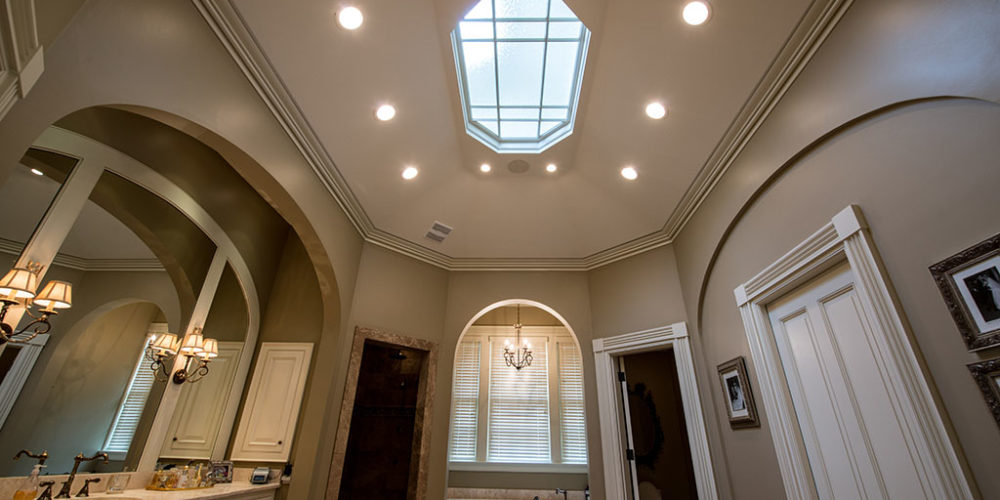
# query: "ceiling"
640,50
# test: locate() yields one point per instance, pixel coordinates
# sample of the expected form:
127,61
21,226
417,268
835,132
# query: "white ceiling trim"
14,248
810,33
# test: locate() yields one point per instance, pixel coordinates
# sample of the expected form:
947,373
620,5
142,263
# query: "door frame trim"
608,395
417,489
847,238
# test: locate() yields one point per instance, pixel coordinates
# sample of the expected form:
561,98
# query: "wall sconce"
198,350
17,289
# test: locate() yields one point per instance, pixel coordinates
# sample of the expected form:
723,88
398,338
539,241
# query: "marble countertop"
217,491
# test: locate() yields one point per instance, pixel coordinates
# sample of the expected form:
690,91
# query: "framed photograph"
222,471
736,390
969,281
987,375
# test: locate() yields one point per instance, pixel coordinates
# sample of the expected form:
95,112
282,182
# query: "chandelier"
197,350
517,354
17,289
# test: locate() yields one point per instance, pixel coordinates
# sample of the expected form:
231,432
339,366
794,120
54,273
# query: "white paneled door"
850,425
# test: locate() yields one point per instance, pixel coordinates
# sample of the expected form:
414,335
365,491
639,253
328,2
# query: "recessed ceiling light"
551,167
385,112
410,172
350,18
656,110
696,13
630,173
36,171
485,168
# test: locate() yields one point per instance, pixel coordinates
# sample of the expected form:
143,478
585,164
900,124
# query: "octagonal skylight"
520,64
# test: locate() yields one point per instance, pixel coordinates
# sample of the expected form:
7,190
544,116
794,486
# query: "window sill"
510,467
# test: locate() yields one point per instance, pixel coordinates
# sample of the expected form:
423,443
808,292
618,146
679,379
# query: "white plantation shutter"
573,430
519,408
465,403
127,419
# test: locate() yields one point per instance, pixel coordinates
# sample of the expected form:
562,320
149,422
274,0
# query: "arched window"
501,415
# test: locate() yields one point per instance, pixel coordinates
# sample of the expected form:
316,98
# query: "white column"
57,222
161,423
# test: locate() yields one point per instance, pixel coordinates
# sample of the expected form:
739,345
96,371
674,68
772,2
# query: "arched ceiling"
709,76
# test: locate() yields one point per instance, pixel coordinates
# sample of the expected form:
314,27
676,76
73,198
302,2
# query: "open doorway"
646,386
658,452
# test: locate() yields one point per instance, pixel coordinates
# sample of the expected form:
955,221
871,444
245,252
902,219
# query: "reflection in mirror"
137,265
27,193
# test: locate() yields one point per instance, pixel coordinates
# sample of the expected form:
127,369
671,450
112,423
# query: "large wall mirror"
140,268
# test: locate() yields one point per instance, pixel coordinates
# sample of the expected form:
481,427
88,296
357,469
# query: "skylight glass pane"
518,130
489,113
520,73
516,113
559,73
559,9
522,9
547,126
521,29
534,60
563,29
479,73
491,125
482,10
476,30
555,113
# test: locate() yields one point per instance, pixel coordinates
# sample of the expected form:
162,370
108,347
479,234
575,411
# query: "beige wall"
921,173
636,294
924,176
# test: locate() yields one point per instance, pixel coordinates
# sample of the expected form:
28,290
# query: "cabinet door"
272,405
198,415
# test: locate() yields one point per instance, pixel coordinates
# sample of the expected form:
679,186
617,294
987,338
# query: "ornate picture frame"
969,282
737,394
987,375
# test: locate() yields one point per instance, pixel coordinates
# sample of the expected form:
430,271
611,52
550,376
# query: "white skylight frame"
553,121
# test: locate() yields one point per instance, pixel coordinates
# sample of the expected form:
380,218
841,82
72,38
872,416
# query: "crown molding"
811,31
14,248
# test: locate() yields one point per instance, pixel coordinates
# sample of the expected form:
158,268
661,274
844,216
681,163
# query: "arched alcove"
517,428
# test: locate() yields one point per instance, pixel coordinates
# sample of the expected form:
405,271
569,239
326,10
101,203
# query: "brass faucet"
65,491
41,457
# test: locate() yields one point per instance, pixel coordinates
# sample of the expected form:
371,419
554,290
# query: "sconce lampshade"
19,283
165,344
56,294
193,343
210,349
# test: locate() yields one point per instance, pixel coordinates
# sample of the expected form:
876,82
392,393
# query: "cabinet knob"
279,442
175,438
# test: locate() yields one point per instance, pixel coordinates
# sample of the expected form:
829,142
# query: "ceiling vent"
438,232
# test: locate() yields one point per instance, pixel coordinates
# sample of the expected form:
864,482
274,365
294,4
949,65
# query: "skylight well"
520,63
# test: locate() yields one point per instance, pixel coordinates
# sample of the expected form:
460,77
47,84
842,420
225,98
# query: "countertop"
217,491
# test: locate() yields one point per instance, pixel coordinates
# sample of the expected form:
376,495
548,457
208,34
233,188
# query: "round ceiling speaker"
518,166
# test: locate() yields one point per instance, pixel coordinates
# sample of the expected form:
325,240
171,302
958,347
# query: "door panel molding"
847,238
610,404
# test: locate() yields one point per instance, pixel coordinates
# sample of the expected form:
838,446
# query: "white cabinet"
194,426
272,406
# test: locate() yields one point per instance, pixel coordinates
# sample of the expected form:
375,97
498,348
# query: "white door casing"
674,337
881,328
